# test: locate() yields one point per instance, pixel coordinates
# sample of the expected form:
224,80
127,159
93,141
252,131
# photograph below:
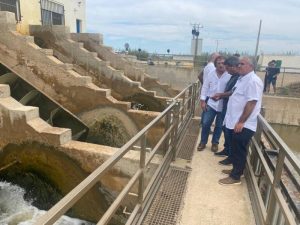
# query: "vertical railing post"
142,167
175,131
282,77
258,132
194,98
167,126
275,185
183,107
190,97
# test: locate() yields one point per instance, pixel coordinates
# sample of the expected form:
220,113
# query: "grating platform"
167,202
187,147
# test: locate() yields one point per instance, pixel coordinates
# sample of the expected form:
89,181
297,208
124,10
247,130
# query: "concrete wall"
58,81
57,38
73,11
32,143
282,110
177,77
287,61
31,15
283,79
132,72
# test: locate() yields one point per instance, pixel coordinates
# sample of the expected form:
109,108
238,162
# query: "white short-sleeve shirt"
212,85
247,88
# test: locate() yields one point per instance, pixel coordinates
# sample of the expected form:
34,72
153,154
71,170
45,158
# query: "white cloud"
162,24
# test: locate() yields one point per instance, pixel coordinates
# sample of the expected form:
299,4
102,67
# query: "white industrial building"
71,13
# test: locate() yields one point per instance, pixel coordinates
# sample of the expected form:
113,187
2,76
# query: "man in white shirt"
214,83
209,67
241,118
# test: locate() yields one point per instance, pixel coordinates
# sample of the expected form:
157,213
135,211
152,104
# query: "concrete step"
4,91
58,135
67,66
94,54
80,44
29,112
29,39
48,52
38,124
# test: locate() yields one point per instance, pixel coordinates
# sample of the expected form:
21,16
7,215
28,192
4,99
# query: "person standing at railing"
231,65
241,118
214,83
209,67
272,72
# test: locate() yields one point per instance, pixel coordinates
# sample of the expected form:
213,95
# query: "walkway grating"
167,202
186,149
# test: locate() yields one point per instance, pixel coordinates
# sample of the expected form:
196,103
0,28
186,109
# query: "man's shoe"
228,172
201,147
221,153
225,162
214,147
229,181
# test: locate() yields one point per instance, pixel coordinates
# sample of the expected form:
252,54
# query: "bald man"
241,118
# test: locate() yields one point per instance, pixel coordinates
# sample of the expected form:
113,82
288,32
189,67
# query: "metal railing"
274,178
175,117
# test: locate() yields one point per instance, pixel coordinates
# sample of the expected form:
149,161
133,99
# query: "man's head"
246,65
219,64
231,65
213,57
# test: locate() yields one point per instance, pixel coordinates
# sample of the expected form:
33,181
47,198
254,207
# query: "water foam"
14,210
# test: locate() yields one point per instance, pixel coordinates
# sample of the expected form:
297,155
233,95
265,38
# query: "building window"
11,6
52,13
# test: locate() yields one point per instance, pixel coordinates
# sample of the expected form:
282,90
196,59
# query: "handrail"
269,182
170,137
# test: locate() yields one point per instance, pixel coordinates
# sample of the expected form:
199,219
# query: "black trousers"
239,143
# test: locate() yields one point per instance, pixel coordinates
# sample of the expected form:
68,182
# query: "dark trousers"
239,143
227,141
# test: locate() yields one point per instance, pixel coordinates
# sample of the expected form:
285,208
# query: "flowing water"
14,210
290,135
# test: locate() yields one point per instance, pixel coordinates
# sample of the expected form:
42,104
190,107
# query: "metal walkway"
168,201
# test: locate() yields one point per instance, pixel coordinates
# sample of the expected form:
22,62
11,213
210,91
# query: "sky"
228,25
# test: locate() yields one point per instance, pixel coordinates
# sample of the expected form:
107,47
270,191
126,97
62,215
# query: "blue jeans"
240,143
207,120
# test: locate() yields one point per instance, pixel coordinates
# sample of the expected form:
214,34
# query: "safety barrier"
176,116
273,178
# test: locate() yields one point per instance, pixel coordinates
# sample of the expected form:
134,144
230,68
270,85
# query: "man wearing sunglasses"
241,118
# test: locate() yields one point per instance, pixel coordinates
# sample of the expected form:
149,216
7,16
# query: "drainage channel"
168,201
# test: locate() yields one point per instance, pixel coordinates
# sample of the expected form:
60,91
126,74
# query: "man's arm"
249,107
218,96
